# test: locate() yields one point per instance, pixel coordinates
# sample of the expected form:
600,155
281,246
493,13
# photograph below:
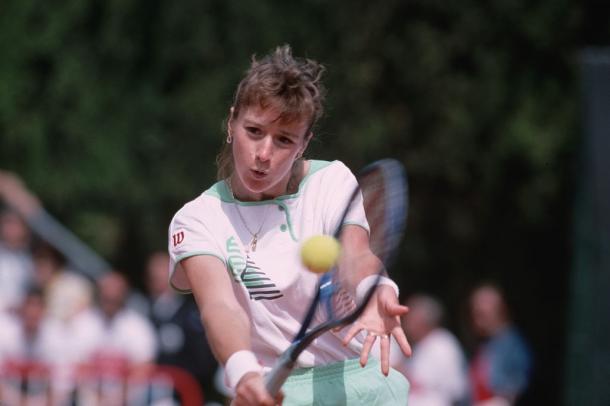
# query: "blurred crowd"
65,324
61,326
496,373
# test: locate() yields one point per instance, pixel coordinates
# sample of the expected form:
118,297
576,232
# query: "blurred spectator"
118,344
122,334
180,334
500,369
32,341
66,293
39,336
15,259
437,370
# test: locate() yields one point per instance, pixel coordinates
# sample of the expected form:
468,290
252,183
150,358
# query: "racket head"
382,193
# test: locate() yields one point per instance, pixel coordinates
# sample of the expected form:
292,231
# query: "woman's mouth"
258,174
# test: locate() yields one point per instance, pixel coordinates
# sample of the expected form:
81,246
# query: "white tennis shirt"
270,282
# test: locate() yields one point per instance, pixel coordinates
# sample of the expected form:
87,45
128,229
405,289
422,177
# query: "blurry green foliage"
113,110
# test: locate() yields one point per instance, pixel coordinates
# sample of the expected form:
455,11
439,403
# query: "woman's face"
264,150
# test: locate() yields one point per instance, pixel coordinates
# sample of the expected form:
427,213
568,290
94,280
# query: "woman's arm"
226,324
357,260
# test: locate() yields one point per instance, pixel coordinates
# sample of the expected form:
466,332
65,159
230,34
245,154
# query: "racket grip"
276,378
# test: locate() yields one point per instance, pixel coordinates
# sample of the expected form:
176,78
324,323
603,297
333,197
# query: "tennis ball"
319,253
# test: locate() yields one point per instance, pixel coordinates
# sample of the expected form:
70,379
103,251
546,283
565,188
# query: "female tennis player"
235,247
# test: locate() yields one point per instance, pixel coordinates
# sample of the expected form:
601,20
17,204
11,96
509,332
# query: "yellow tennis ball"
320,253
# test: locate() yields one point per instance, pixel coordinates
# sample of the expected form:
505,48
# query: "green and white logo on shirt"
245,271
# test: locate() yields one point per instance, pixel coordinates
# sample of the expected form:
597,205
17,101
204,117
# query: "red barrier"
99,383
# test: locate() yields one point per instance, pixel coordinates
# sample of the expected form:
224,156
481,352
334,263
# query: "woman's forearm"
227,329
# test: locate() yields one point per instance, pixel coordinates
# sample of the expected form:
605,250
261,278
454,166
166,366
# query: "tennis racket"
383,192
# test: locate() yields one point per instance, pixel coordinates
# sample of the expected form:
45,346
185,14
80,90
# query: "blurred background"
111,113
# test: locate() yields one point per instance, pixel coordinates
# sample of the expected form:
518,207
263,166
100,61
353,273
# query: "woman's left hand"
381,319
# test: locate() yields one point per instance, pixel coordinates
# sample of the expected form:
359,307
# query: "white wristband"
366,283
239,364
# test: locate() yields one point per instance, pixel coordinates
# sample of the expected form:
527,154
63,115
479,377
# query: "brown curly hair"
291,84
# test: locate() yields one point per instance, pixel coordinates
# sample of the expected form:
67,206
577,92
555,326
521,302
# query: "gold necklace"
254,240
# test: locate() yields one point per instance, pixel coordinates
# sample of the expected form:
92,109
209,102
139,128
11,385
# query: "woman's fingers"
384,345
366,348
401,340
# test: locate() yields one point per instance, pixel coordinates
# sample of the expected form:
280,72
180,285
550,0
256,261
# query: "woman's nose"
264,149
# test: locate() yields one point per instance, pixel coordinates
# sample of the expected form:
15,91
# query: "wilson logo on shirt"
177,238
245,271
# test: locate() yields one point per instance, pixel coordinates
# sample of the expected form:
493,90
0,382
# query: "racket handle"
277,376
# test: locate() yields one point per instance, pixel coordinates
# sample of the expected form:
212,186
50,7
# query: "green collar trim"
221,191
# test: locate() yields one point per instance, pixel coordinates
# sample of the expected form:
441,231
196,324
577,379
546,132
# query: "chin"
257,186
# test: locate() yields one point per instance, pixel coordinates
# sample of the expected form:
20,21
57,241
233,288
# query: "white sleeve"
10,339
189,235
338,190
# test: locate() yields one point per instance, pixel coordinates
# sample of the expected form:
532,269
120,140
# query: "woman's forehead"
272,115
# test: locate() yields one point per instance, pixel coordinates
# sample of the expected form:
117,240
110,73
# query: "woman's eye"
253,130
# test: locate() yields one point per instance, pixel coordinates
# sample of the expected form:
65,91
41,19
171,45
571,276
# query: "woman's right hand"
251,390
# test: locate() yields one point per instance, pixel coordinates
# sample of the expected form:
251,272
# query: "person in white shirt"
437,370
236,248
30,340
10,337
67,293
121,333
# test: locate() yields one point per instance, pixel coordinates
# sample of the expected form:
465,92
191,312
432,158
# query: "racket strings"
336,302
343,303
377,193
